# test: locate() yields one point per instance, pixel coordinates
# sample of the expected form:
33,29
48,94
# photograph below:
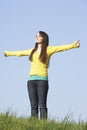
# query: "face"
39,38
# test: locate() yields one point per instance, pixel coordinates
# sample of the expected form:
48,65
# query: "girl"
39,57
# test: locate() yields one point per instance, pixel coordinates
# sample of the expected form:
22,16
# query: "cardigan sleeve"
53,49
18,53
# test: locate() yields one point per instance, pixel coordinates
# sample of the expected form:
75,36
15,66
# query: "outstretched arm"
18,53
76,44
54,49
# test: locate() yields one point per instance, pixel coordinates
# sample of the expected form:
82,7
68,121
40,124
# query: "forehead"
38,35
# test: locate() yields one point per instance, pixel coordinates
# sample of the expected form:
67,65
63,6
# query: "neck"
39,47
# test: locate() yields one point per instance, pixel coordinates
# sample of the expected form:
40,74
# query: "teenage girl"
37,83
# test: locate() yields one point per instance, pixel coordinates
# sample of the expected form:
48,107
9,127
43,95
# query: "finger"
78,44
5,54
78,41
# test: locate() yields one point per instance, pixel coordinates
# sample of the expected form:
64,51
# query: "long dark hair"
45,43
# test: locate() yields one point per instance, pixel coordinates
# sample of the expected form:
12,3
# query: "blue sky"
65,22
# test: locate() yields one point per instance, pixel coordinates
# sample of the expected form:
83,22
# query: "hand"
5,54
77,44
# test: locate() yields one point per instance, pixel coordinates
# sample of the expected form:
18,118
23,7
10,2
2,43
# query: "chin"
39,42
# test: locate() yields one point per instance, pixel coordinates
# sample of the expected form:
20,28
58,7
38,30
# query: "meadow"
12,122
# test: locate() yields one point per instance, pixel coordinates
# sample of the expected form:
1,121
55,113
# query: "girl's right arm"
18,53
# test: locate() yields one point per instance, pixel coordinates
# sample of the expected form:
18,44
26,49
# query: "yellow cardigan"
36,66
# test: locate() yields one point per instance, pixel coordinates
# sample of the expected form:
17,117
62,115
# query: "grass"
12,122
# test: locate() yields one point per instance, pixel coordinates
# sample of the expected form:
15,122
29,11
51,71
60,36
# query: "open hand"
77,44
5,54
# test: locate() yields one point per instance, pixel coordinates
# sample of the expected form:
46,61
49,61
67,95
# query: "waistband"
35,77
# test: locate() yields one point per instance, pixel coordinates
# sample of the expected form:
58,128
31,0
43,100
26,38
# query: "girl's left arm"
54,49
76,44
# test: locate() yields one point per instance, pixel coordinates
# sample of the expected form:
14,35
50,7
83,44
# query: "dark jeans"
37,90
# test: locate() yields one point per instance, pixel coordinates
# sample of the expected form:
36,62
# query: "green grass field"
12,122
